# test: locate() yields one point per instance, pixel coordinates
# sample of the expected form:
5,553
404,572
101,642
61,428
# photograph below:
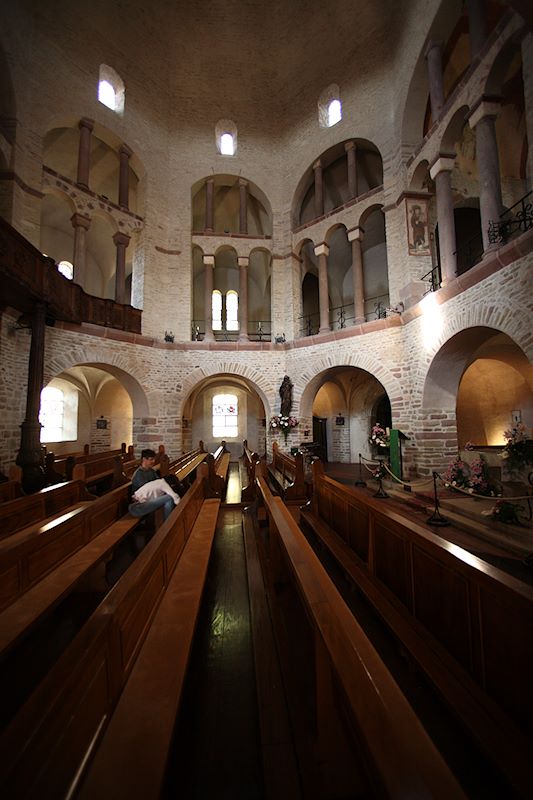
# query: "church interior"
281,253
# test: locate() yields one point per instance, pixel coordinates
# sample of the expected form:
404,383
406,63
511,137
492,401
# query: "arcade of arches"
311,251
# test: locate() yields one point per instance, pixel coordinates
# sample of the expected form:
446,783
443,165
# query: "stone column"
29,457
322,251
436,89
356,237
440,172
319,189
351,152
243,206
84,151
124,177
121,241
477,25
81,225
209,263
482,120
243,298
210,204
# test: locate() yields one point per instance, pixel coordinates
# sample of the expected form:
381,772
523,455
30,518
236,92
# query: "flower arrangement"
379,472
283,424
518,450
479,477
457,475
379,437
504,511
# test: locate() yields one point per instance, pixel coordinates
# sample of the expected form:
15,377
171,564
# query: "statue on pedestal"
285,392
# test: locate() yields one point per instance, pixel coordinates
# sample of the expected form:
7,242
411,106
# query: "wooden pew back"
18,514
58,727
288,473
250,461
401,756
10,490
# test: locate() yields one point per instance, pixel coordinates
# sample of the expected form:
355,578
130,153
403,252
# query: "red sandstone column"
477,25
81,225
322,251
441,173
121,240
210,204
356,237
243,298
482,120
243,206
209,263
124,176
84,151
319,189
351,165
436,90
29,456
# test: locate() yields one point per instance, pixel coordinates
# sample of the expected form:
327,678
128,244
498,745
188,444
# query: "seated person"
153,495
145,472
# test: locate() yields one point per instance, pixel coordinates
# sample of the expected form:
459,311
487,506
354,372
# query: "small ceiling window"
106,94
226,144
334,112
226,137
111,90
329,107
66,269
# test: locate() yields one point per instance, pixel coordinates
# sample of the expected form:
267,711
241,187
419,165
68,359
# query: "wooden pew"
100,474
184,467
10,490
52,738
27,556
64,464
351,680
465,623
41,506
287,475
250,461
218,466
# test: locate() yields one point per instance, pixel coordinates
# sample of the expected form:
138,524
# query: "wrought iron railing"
433,278
379,311
469,253
258,331
514,221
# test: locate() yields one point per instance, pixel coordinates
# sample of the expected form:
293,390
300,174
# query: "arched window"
329,107
66,269
106,95
111,90
226,144
216,305
334,112
59,413
226,137
232,311
225,416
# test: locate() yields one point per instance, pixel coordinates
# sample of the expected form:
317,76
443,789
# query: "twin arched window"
231,316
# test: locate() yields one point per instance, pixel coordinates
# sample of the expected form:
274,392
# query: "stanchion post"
360,481
436,518
381,491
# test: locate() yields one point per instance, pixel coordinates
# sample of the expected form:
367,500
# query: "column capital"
211,179
322,249
444,163
124,150
431,45
243,182
85,122
356,234
209,261
121,238
243,261
80,221
485,107
317,164
350,145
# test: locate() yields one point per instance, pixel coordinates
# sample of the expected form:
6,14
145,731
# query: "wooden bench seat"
10,490
249,460
287,475
434,598
42,506
131,758
61,722
101,474
21,616
218,466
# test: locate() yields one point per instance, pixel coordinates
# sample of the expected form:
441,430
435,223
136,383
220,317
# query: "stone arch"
330,231
453,131
117,365
259,213
252,377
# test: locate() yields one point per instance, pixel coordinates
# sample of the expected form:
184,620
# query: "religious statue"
285,392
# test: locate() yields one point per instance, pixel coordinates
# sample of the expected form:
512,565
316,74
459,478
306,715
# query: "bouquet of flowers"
283,424
504,511
479,476
379,436
518,450
379,471
457,475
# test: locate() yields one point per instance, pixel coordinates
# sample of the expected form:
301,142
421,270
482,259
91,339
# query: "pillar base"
324,330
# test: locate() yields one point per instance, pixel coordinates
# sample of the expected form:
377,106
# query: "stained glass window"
225,416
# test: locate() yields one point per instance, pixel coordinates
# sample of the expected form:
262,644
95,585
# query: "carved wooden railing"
26,276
